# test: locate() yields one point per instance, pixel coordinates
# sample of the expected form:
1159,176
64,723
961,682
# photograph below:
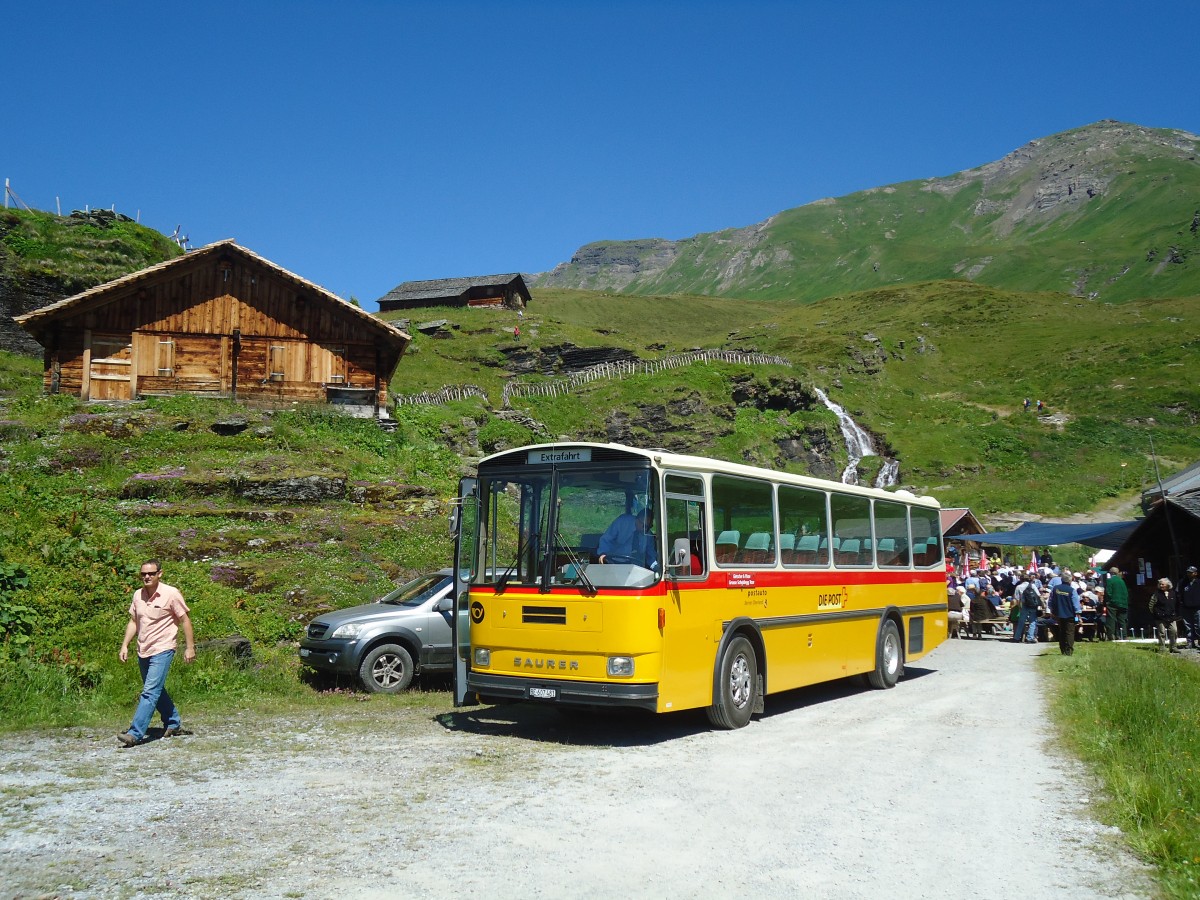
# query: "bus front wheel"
737,686
889,657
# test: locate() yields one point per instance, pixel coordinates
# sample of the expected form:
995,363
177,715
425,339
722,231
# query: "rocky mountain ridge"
1076,212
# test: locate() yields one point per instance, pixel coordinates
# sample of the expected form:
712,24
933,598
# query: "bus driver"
627,541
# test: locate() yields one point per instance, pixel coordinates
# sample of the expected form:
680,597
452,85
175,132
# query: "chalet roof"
1155,535
955,514
1180,482
446,287
32,320
1189,503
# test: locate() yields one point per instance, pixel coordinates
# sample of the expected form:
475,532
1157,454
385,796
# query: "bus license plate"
543,693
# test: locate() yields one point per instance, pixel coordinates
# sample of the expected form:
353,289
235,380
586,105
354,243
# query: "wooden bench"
994,625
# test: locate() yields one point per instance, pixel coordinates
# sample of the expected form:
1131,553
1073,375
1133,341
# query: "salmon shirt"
157,618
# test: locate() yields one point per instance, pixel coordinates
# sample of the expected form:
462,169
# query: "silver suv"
386,642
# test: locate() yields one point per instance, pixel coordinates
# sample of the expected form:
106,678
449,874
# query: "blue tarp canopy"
1102,535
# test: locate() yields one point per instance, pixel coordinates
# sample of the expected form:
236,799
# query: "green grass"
260,570
1133,716
75,252
951,414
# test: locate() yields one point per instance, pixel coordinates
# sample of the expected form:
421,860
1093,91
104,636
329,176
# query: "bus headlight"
620,666
483,656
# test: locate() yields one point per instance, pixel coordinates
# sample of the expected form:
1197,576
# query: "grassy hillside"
77,251
941,382
90,491
1109,210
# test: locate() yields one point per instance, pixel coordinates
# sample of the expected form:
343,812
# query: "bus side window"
804,526
851,526
926,524
684,524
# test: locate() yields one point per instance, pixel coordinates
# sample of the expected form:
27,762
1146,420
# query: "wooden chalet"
219,320
960,520
485,290
1165,542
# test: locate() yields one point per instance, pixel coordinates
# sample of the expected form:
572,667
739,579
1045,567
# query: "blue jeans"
1026,625
1191,622
154,694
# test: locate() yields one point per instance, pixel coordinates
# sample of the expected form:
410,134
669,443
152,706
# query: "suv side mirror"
445,604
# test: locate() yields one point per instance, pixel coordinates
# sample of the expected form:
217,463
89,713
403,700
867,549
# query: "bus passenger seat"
727,546
808,550
847,554
758,549
787,547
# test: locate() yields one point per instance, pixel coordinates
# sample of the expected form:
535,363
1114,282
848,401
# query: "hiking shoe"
173,731
125,739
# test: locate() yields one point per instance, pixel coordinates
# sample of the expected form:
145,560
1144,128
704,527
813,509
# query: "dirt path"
943,787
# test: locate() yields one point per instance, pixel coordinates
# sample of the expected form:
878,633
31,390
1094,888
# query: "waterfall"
858,445
889,472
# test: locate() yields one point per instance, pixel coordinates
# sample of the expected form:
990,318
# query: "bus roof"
665,459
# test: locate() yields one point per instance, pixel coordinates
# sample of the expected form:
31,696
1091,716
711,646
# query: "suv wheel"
387,669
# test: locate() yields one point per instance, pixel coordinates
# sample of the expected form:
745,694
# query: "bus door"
464,524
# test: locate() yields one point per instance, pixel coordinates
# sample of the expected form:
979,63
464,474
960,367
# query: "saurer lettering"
562,665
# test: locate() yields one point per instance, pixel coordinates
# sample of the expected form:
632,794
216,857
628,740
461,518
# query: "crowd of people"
1046,599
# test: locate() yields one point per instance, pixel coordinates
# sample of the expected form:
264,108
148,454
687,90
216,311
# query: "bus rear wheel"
889,657
737,686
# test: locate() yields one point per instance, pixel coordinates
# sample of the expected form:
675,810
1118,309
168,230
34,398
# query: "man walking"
1189,600
156,614
1116,594
1065,607
1027,597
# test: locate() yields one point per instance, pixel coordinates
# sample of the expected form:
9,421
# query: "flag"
1033,561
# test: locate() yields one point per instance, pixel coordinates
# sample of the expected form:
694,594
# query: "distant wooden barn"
960,520
220,320
485,290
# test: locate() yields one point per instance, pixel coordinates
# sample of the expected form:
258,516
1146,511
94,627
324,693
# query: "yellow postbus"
601,574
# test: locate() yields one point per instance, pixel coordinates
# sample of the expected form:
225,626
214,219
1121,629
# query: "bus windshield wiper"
502,581
584,583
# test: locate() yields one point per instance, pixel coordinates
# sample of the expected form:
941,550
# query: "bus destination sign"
560,456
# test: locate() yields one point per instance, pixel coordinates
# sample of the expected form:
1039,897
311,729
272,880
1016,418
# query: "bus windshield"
585,526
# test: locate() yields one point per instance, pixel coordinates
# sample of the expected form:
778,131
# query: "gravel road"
945,787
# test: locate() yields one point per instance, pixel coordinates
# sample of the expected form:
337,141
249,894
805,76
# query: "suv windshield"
417,591
588,526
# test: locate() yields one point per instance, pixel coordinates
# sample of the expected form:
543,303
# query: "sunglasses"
150,574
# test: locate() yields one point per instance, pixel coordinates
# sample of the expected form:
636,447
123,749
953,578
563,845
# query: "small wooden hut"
219,320
481,290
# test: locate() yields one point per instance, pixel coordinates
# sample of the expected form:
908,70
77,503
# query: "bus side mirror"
681,558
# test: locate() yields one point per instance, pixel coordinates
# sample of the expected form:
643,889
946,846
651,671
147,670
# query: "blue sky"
361,144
